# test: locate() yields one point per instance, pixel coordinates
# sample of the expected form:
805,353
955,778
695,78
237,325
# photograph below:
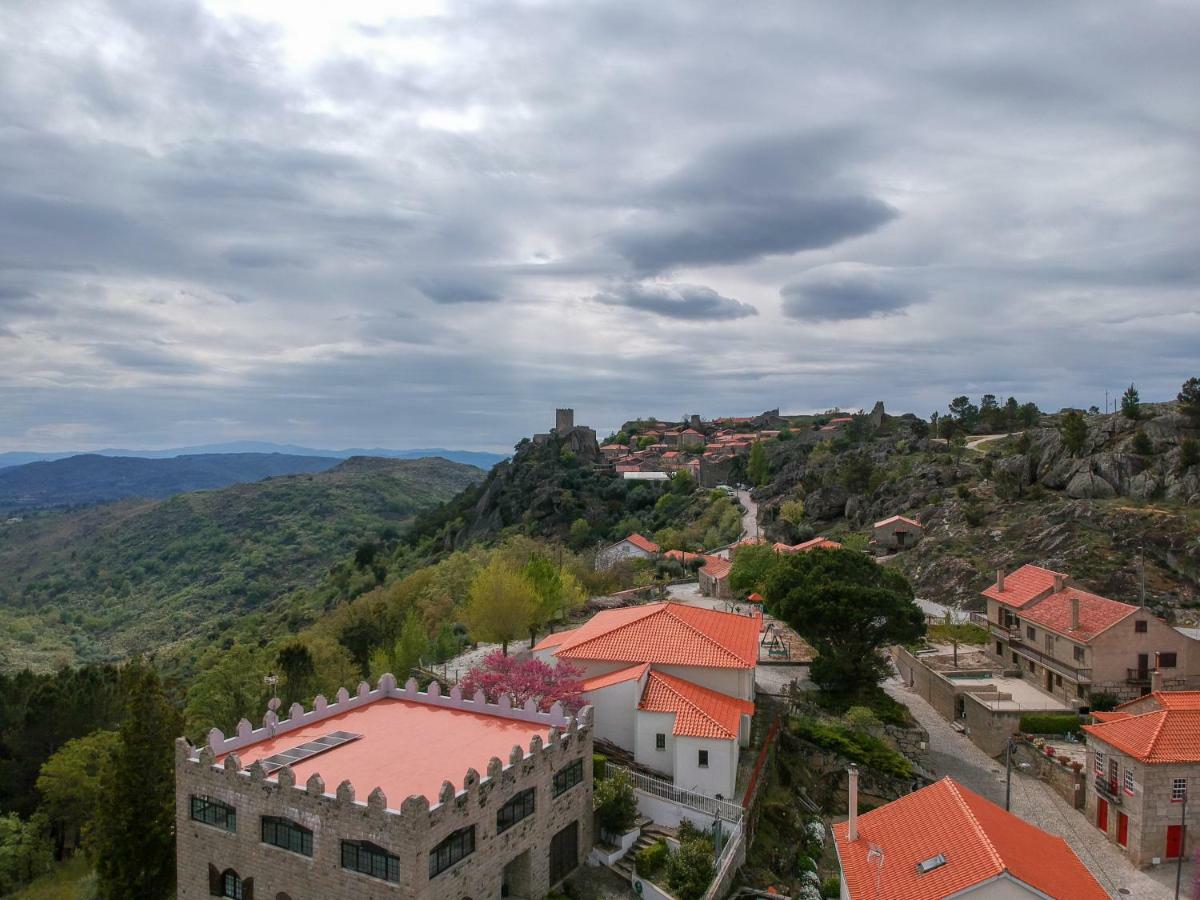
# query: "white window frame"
1178,789
1099,762
1128,783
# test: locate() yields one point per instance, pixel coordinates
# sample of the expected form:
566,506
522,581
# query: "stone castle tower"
564,420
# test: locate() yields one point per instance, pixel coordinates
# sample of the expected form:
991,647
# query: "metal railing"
1138,675
729,810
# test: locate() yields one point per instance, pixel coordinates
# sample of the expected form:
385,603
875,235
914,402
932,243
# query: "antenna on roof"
875,855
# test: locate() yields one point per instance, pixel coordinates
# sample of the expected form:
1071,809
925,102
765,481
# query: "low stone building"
1143,758
258,814
714,578
896,533
635,546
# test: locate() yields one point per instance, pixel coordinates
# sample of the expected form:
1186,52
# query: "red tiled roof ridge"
675,686
642,542
703,634
982,833
666,682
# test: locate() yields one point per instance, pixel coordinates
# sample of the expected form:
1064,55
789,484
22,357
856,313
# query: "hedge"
1059,724
599,766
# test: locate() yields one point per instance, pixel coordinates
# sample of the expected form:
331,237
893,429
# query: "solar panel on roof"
307,750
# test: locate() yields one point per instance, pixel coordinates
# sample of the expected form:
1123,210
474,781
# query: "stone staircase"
651,834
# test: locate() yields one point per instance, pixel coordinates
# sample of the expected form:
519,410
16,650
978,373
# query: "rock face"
827,502
1089,486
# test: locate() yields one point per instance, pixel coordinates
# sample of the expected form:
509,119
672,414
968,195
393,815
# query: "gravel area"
953,754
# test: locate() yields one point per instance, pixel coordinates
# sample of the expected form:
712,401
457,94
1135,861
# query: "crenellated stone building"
350,800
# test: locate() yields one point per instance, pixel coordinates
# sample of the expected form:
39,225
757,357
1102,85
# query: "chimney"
1000,581
1074,613
852,822
1060,582
1156,677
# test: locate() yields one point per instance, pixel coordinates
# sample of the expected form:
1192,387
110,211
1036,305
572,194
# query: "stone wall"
1066,782
406,827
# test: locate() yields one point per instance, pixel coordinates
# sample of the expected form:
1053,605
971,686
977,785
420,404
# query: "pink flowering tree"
525,679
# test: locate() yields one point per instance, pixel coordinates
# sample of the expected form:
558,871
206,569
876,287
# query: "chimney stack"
852,822
1074,613
1060,582
1156,677
1000,580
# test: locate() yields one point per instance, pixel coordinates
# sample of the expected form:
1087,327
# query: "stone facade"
519,858
1148,809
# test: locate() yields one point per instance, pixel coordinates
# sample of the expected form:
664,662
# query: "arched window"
231,885
282,896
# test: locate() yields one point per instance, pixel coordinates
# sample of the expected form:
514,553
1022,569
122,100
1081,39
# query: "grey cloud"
692,302
853,293
459,289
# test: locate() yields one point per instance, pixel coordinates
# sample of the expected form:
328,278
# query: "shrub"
1142,445
651,861
861,748
599,766
831,887
860,718
1053,724
690,868
1103,701
1189,453
615,803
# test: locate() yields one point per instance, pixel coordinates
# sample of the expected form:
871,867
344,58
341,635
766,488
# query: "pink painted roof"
406,747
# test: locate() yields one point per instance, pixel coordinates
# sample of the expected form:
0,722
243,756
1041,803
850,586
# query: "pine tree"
135,846
1131,405
757,468
1074,432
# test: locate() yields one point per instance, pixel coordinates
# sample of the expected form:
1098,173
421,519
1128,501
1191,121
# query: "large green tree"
758,470
1074,432
135,850
848,607
1189,400
230,688
752,565
1131,403
69,786
501,604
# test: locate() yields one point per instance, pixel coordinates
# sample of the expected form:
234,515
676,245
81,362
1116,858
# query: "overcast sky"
414,223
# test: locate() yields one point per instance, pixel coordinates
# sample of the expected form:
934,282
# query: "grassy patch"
963,632
857,746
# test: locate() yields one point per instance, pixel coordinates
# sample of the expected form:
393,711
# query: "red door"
1174,841
1102,814
1123,829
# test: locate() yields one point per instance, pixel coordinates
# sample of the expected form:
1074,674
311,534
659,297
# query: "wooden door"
1174,841
1123,829
1102,814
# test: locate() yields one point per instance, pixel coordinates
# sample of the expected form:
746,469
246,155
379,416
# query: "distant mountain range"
478,458
90,478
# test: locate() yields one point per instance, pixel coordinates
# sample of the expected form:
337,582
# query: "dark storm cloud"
837,296
460,289
751,199
676,301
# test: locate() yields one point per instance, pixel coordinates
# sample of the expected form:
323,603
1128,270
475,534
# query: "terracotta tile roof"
1169,699
717,567
756,597
891,519
684,556
1170,735
629,673
780,547
817,543
553,640
643,543
1112,716
667,634
1024,585
978,839
841,419
699,712
1096,613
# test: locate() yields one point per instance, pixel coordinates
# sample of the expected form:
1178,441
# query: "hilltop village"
697,733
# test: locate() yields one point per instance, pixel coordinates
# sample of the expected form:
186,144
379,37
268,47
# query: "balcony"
1138,676
1109,790
1012,635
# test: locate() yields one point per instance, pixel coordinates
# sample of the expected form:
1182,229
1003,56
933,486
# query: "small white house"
896,533
635,546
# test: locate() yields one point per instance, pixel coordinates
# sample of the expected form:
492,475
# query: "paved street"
953,754
749,516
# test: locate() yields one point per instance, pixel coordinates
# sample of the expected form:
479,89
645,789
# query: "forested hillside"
107,581
88,479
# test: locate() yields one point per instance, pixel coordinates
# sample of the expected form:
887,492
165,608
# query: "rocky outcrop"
827,502
1089,486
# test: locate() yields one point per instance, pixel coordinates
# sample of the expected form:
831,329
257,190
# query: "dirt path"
976,443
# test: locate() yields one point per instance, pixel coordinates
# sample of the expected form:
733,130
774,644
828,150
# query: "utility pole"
1142,566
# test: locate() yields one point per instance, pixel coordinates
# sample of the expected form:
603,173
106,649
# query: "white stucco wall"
614,709
647,725
720,777
734,682
610,556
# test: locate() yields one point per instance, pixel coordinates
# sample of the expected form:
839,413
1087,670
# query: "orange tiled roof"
717,567
1169,699
1096,613
1024,585
817,543
629,673
667,634
643,543
683,556
979,840
553,640
1170,735
699,712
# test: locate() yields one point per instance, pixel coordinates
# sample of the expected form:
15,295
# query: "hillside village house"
633,547
1143,757
671,684
896,533
946,841
1073,643
390,793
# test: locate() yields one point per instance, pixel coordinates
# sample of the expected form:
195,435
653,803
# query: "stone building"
279,813
635,546
896,533
1143,758
1072,643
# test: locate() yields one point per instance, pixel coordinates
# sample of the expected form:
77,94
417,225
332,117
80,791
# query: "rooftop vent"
304,751
928,865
